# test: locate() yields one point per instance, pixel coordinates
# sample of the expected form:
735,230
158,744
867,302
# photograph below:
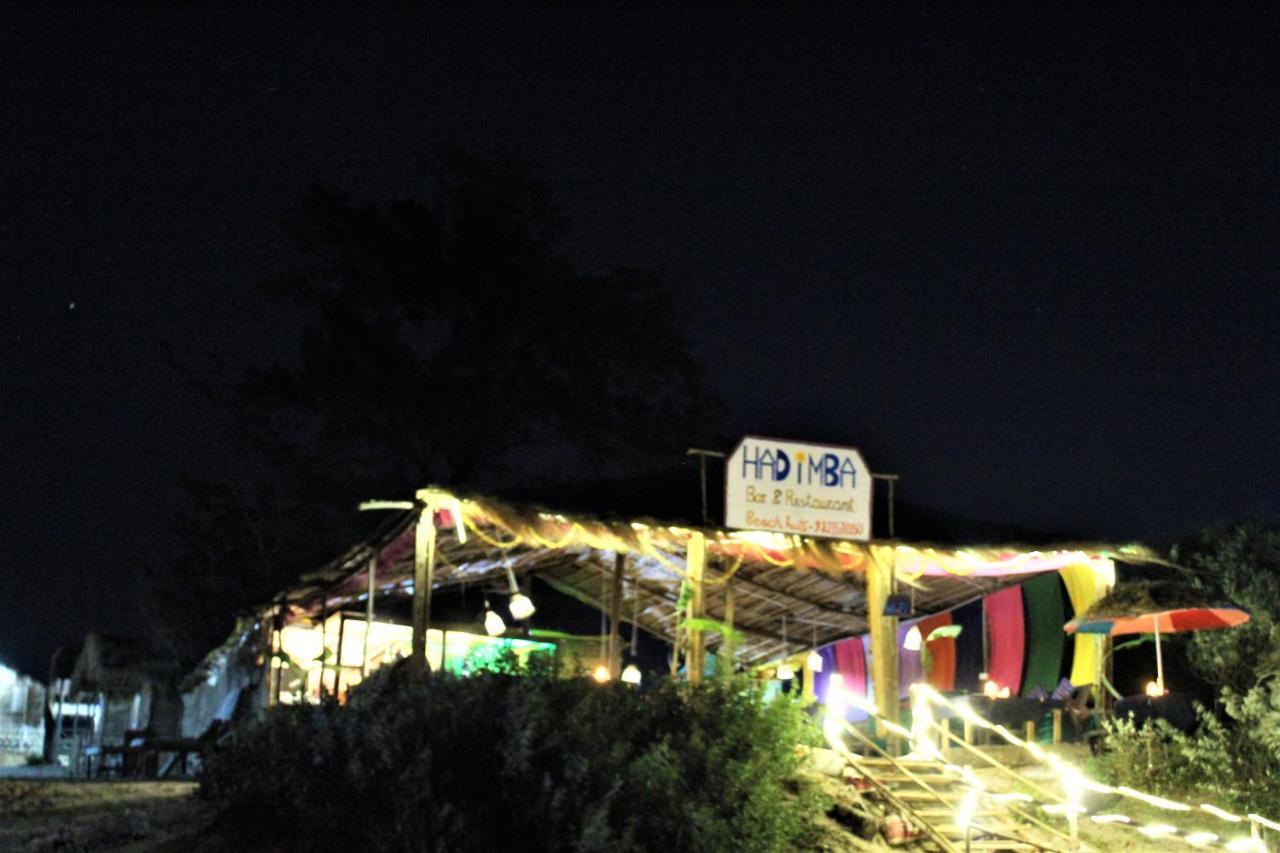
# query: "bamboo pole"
695,564
615,615
424,564
884,638
368,615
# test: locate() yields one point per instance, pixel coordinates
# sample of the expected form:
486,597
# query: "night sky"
1026,261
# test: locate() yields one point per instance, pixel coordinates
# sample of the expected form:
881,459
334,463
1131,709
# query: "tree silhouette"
446,340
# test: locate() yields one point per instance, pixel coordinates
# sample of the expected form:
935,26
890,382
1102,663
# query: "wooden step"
978,830
914,794
940,811
902,762
927,778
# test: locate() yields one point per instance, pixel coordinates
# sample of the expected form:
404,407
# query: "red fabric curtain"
942,653
1006,637
851,663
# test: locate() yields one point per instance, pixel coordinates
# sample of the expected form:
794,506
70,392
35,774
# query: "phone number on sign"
839,528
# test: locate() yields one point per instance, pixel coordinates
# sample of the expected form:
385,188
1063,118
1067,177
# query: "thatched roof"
1141,598
114,665
817,584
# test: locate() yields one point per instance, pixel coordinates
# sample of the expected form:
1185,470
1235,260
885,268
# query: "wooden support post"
615,615
947,746
728,602
968,732
1029,733
368,615
337,658
424,565
1057,725
324,642
884,636
695,565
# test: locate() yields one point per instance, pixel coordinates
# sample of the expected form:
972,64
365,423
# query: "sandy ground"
38,815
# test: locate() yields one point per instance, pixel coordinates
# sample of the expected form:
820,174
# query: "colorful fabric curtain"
1044,618
910,667
1084,587
941,671
969,656
851,663
821,679
1006,637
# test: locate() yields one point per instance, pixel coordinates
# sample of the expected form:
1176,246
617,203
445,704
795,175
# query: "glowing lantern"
601,674
631,674
493,624
786,671
814,661
520,606
911,642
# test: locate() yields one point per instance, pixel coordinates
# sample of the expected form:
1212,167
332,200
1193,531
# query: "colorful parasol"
1155,607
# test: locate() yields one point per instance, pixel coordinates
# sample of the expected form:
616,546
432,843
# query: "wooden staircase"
927,795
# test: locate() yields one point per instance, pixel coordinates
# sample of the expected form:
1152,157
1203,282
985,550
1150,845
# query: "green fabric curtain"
1045,637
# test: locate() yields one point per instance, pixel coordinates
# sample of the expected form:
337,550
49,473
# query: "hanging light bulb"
631,674
911,642
520,606
601,674
493,624
814,661
786,671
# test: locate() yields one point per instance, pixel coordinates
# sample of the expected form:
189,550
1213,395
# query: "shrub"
1229,764
533,762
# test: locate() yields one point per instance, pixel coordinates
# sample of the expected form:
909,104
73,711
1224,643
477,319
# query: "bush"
1230,764
533,762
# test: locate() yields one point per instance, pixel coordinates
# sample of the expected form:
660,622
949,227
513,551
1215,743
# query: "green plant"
499,761
1229,764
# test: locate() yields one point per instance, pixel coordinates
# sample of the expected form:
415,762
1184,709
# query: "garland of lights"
1075,784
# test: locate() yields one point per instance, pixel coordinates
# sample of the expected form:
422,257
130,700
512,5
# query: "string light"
1269,824
493,624
1220,813
520,606
631,674
1196,839
1155,830
814,661
601,674
968,805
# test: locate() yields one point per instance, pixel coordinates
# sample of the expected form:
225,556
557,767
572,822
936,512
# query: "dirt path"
56,815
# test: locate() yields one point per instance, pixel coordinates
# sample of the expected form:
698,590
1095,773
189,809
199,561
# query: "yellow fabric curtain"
1085,585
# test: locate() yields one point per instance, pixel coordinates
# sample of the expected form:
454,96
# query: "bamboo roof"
818,585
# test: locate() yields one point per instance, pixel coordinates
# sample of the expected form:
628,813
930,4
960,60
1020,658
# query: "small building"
21,717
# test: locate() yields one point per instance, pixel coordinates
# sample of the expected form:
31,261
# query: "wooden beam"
615,615
695,565
785,600
884,637
424,559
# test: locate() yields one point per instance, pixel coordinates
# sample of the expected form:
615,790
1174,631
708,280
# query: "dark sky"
1026,260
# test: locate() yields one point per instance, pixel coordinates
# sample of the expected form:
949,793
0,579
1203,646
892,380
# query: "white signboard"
807,489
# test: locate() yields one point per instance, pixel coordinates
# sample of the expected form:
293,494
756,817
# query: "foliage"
1235,758
1240,564
1229,764
500,761
440,339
